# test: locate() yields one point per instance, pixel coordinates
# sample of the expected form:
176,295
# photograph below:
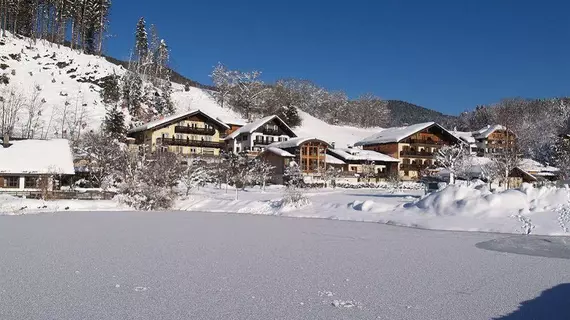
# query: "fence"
63,195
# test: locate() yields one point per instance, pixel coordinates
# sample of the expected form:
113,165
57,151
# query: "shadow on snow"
552,304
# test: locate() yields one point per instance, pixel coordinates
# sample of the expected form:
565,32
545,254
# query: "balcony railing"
417,154
195,130
262,142
271,131
427,142
413,166
188,143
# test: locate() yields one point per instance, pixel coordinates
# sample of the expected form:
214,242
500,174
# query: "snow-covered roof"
294,142
251,127
333,160
466,136
535,166
37,157
487,131
174,118
280,152
396,134
357,154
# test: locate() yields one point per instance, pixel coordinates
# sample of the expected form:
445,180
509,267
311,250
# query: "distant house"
31,165
309,153
190,133
493,140
531,171
360,164
254,137
415,145
468,140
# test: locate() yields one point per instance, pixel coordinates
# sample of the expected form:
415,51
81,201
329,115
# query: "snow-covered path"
181,265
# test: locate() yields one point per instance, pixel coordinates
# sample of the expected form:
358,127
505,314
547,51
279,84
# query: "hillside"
404,113
63,84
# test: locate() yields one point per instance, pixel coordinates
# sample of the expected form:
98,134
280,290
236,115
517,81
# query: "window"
12,182
30,182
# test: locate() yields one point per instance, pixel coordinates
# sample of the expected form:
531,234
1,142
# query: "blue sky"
443,55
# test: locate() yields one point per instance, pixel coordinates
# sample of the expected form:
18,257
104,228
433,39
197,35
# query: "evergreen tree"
291,116
110,90
132,85
115,123
141,41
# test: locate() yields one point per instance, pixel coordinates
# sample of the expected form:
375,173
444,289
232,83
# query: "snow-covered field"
181,265
543,211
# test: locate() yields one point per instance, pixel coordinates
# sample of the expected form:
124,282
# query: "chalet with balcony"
256,136
192,133
364,165
309,153
415,146
493,140
34,165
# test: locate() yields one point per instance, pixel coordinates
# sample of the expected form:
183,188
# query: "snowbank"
10,205
544,211
479,201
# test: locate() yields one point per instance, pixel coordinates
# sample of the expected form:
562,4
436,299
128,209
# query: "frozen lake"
188,265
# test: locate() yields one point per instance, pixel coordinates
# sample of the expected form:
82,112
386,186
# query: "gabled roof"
356,154
174,118
396,134
295,142
37,157
251,127
487,131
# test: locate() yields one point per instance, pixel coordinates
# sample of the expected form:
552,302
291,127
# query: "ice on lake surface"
541,246
195,265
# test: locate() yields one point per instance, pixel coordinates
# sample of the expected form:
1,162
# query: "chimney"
6,141
332,144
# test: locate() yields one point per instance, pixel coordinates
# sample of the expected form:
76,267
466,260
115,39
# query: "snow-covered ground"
543,211
61,74
180,265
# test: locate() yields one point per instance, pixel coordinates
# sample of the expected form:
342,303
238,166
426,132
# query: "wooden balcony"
413,167
416,154
195,130
188,143
271,132
263,142
427,142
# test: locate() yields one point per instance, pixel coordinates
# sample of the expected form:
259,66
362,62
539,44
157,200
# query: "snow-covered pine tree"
132,89
141,42
114,123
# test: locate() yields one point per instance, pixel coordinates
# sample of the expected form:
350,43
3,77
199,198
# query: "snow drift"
479,201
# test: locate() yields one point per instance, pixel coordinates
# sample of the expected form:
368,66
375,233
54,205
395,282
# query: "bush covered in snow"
146,197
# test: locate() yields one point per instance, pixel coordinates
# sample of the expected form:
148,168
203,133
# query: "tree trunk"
72,33
237,190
